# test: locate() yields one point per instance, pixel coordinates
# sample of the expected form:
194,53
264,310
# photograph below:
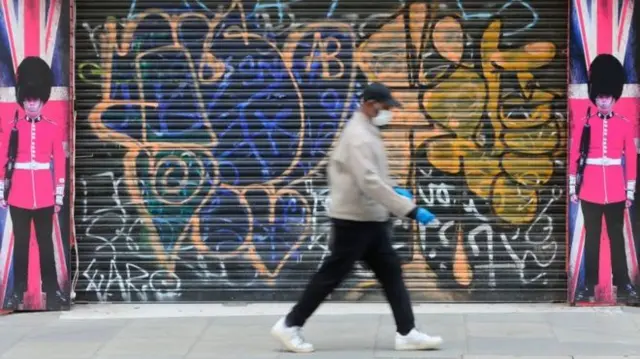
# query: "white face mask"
383,118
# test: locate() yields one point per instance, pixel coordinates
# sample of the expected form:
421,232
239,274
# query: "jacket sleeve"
392,182
4,148
5,133
574,154
362,164
631,160
59,160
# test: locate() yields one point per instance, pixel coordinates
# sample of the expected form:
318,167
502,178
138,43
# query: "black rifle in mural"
11,156
585,139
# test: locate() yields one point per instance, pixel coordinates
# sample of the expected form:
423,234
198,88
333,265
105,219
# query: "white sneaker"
291,338
416,340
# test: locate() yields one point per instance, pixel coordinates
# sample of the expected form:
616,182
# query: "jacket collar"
36,120
607,116
364,121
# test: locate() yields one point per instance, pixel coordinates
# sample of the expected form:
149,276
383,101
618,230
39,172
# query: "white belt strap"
604,161
32,166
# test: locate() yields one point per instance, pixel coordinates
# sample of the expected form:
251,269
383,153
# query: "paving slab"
177,347
217,331
29,348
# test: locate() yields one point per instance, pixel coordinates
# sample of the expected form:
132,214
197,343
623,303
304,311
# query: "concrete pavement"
162,331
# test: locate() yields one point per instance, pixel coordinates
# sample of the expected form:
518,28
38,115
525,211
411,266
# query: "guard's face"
605,103
33,107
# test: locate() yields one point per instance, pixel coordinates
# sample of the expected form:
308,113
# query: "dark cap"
381,93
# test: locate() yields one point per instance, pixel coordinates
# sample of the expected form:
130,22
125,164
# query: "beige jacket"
359,183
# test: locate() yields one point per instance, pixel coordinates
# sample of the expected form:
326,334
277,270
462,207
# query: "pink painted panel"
36,35
602,27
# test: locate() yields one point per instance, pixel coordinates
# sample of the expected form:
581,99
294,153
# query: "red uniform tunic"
605,179
39,141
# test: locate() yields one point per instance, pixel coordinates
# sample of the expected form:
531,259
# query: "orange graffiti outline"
288,51
131,180
273,196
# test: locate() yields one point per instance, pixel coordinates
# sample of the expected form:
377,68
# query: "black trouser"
43,222
353,241
614,218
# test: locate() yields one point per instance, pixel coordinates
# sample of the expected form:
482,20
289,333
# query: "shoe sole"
276,334
425,346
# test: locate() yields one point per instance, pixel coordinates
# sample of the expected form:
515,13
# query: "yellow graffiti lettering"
484,131
522,61
448,39
529,172
383,56
537,103
543,140
411,120
458,104
512,202
480,170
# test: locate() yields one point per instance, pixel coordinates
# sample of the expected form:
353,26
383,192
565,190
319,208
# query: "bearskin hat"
606,77
34,79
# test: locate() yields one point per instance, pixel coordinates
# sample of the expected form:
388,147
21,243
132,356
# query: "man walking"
362,194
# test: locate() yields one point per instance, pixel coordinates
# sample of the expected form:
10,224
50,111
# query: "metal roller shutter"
203,128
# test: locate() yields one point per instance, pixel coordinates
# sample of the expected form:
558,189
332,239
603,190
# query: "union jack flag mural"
35,28
601,27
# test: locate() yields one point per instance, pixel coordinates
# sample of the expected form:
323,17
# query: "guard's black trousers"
614,218
43,222
353,241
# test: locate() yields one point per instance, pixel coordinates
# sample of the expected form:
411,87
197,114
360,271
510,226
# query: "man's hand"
403,192
574,198
423,216
628,203
59,203
3,202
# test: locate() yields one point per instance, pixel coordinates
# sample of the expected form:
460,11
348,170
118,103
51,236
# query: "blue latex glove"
403,192
423,216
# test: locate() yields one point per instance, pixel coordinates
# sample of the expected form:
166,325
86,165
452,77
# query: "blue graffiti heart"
225,222
280,221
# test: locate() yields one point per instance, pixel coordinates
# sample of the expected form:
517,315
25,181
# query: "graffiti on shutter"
216,123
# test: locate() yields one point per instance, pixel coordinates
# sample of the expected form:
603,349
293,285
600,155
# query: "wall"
480,141
36,28
602,27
